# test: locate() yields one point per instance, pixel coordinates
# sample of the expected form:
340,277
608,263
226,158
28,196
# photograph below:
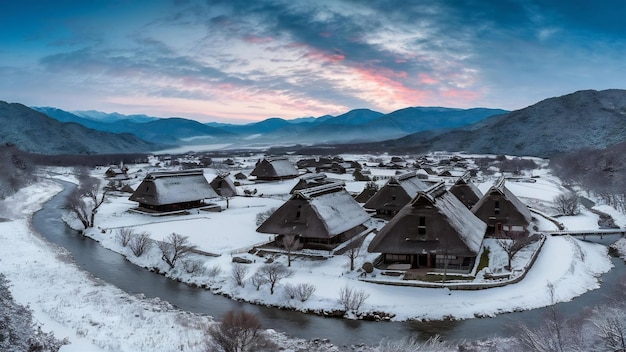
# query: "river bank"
92,314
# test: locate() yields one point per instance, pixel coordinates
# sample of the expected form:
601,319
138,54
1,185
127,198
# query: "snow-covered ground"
572,264
97,316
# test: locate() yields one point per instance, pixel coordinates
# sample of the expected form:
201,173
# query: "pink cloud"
254,39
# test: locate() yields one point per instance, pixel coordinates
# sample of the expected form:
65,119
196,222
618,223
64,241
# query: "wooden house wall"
507,215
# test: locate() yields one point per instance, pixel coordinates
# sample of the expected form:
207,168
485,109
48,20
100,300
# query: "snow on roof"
283,167
465,225
499,186
170,187
338,209
470,228
410,183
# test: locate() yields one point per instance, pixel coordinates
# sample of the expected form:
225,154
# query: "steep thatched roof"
274,168
171,187
318,212
223,185
397,192
448,226
499,189
466,190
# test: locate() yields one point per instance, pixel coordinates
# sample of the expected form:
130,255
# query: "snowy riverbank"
93,315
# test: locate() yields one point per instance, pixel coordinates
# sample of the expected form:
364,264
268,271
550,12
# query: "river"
115,269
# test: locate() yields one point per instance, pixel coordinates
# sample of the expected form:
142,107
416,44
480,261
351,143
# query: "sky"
241,60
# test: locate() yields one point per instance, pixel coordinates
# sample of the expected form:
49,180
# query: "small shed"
169,191
395,194
435,230
466,190
503,211
223,185
322,217
274,168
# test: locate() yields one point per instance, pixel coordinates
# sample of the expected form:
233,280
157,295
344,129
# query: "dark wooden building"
173,191
322,217
273,169
435,230
466,190
503,211
395,194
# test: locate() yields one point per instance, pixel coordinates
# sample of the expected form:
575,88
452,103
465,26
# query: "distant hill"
587,118
359,125
172,131
35,132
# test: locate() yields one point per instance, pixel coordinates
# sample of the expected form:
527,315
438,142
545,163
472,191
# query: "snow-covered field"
97,316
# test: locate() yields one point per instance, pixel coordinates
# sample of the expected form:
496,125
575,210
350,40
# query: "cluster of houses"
430,224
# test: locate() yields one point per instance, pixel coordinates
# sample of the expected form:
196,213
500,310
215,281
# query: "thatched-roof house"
395,194
368,192
503,211
223,185
274,168
466,190
435,231
322,217
310,180
173,191
117,173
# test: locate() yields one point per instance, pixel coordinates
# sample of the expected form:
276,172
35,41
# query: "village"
335,235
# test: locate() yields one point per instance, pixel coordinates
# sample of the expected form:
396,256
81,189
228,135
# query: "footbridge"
603,236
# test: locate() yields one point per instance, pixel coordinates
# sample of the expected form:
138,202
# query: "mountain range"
583,119
588,118
359,125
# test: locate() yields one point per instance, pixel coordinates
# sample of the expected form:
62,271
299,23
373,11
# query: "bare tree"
139,243
85,200
512,245
174,247
238,332
304,291
258,280
552,335
124,235
238,273
567,203
613,332
291,242
352,299
273,273
353,249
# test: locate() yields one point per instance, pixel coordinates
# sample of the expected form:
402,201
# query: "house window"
496,209
421,227
298,212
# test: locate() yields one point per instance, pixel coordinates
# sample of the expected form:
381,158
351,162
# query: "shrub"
139,243
124,235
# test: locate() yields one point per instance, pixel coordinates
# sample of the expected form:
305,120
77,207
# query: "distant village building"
368,192
241,176
273,169
169,191
117,172
223,185
434,231
310,180
503,211
322,217
467,192
395,194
